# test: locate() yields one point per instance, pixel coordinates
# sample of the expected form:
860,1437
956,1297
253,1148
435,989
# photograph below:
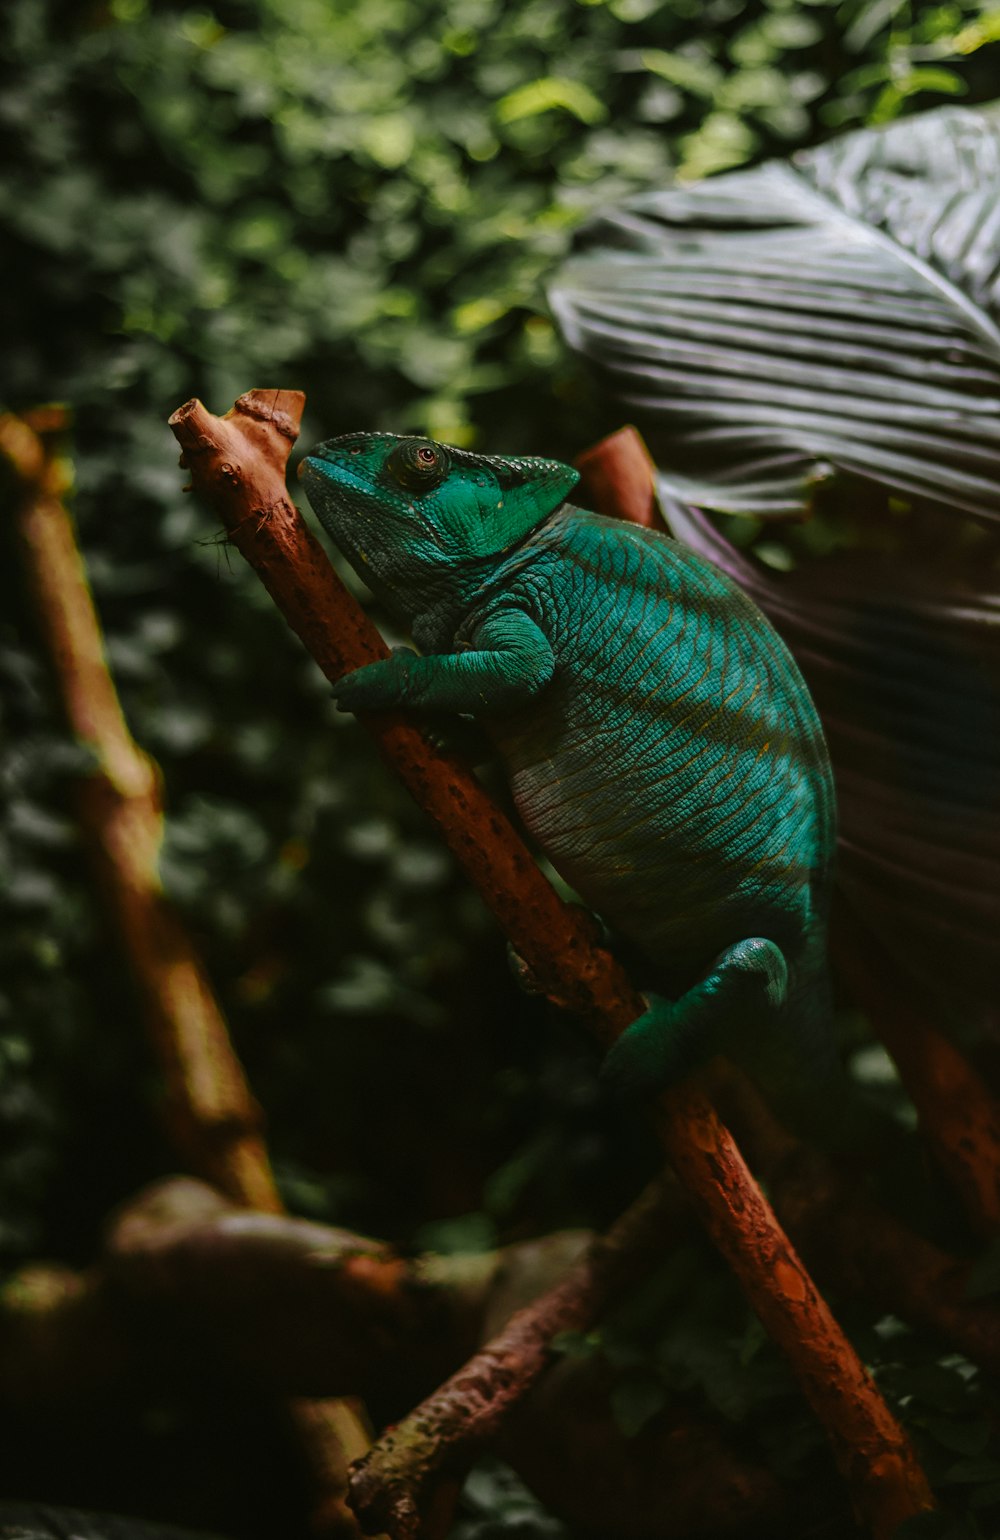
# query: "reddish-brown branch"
851,1242
391,1487
617,479
214,1118
959,1114
237,463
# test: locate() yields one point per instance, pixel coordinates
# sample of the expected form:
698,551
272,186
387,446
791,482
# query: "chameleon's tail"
797,1067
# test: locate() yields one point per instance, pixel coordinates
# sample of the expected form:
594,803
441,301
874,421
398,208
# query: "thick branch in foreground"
237,463
190,1286
309,1308
283,1304
213,1116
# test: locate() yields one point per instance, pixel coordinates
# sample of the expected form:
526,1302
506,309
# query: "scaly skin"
661,745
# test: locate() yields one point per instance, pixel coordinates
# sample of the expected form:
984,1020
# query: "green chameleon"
660,743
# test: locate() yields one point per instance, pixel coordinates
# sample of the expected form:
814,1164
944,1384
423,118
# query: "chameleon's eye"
418,465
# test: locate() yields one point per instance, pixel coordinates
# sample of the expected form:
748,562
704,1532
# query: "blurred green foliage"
360,199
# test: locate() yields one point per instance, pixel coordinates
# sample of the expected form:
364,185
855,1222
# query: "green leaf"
553,93
892,97
698,76
635,1402
983,1281
985,29
968,1438
968,1472
870,18
838,312
468,1232
576,1344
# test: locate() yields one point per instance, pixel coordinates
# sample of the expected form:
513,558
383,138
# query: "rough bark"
391,1487
237,463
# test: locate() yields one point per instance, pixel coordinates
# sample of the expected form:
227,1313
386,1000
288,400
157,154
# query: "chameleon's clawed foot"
376,686
672,1037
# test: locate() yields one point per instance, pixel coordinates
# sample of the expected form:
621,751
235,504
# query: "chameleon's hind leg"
672,1037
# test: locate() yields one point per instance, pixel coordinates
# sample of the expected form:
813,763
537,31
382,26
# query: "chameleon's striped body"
674,769
661,745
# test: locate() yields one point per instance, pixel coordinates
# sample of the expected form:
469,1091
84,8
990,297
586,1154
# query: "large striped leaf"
837,312
904,666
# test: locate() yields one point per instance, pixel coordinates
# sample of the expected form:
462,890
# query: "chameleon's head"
411,514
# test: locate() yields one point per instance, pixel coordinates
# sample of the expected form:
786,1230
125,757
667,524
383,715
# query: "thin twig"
393,1483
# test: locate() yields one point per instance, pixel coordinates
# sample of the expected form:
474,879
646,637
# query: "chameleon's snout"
308,467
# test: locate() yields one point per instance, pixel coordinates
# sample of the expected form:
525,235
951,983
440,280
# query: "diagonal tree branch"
238,463
392,1485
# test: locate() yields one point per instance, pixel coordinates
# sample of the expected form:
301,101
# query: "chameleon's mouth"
332,478
309,466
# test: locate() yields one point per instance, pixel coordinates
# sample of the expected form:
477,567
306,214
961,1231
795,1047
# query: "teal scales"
660,743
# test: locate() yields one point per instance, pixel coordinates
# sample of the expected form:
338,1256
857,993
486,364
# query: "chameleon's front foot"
378,686
673,1037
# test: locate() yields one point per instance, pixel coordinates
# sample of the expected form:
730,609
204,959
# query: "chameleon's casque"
661,745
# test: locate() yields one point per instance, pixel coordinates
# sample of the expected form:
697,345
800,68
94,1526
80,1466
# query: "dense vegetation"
361,200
